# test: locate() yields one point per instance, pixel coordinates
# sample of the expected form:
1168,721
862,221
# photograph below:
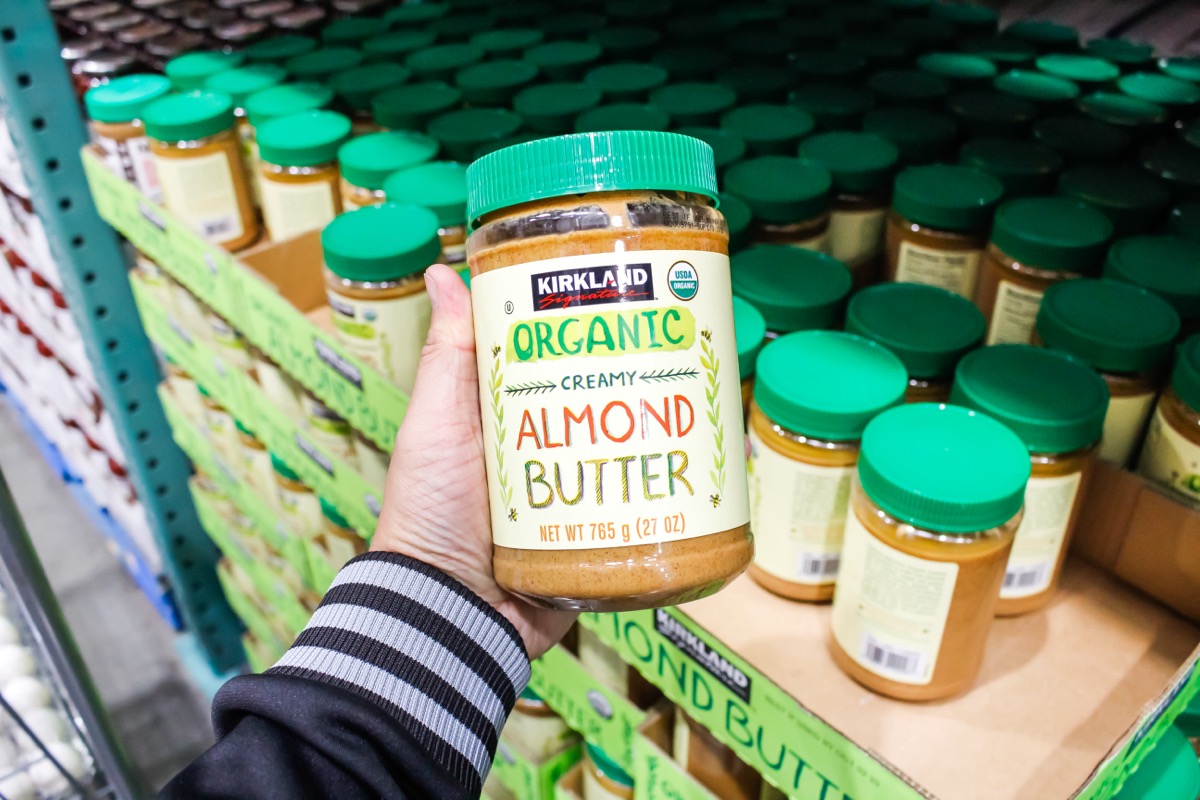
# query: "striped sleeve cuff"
414,641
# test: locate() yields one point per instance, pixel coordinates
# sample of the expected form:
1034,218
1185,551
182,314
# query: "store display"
115,109
1165,266
440,186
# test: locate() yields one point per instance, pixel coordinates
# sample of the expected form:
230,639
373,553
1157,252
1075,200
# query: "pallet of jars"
252,608
536,749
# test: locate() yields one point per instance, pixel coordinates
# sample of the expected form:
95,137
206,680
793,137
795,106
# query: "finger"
451,300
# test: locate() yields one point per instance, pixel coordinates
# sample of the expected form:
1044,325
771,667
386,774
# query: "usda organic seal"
683,280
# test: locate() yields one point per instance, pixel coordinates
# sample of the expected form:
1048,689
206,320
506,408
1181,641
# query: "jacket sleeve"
397,688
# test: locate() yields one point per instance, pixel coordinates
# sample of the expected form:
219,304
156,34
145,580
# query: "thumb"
450,325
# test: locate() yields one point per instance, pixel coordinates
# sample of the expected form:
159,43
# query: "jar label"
953,270
132,159
292,209
819,243
611,400
890,609
856,237
1041,535
1170,459
386,335
798,514
201,191
1014,314
1123,424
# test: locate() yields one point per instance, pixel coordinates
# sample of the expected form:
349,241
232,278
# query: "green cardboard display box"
656,774
525,779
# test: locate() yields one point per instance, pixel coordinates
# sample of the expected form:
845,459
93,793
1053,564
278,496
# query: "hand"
435,507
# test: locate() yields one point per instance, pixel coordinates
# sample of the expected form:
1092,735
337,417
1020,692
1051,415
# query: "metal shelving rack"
46,124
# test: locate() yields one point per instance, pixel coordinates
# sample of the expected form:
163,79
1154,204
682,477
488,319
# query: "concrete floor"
159,716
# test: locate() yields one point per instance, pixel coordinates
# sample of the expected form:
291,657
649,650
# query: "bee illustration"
495,350
715,499
512,514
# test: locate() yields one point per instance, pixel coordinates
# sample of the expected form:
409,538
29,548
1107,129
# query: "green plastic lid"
858,162
412,106
367,161
1053,401
464,131
440,186
1182,67
188,116
607,767
590,162
287,99
1170,771
1080,139
507,41
794,289
1122,110
381,243
1037,87
242,82
737,217
494,83
967,17
821,66
1000,49
780,189
918,134
1126,52
909,87
1185,378
358,86
958,67
769,129
332,514
626,81
572,24
303,140
283,469
750,329
1023,167
1185,220
520,138
1052,233
241,428
757,83
551,108
397,44
926,34
461,27
827,384
323,63
858,15
928,328
629,42
757,43
124,98
992,113
622,117
190,70
834,106
1078,68
691,62
880,49
415,13
943,468
562,61
1044,34
694,103
349,31
442,61
1166,265
952,198
1177,163
727,146
1161,89
1112,325
278,49
1134,201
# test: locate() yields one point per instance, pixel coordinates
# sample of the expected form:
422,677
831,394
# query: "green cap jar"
1134,201
1052,233
1082,140
551,108
833,106
858,163
794,289
781,190
750,330
243,82
694,104
303,140
1166,265
961,69
283,470
1002,50
1169,771
287,99
921,136
691,62
827,384
572,24
1182,67
909,87
608,768
330,512
928,328
1024,167
1185,220
943,468
367,161
1037,87
564,61
827,66
1044,35
188,116
507,42
440,186
349,31
925,34
463,132
442,62
1111,325
323,63
358,86
1177,163
415,14
189,71
622,117
945,197
991,114
769,129
412,106
461,27
626,82
737,218
494,83
279,49
1053,401
1185,377
397,45
626,42
1161,89
1126,53
1084,70
967,17
381,243
1123,111
757,83
879,49
123,99
728,148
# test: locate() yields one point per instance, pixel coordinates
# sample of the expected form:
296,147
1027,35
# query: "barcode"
892,658
1026,577
217,227
823,565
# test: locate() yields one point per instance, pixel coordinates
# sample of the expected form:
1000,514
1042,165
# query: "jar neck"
1005,261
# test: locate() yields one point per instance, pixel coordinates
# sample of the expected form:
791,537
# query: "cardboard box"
656,775
570,785
527,779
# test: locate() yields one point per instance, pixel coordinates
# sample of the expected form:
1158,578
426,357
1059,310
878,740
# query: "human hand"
435,507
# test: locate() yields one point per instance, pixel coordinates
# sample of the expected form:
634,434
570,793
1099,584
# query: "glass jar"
813,297
413,106
464,132
298,176
937,501
440,186
278,49
375,261
218,425
788,197
328,430
712,763
115,110
1126,334
603,778
737,218
1056,405
1166,265
189,71
255,461
281,389
815,393
937,228
862,166
1171,454
198,159
767,129
367,161
921,136
536,729
1025,168
928,328
621,246
605,665
358,86
751,330
300,508
1036,242
694,103
1134,201
241,84
274,102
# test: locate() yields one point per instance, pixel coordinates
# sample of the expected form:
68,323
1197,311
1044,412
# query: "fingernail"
432,288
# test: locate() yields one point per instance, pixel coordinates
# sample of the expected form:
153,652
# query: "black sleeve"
397,688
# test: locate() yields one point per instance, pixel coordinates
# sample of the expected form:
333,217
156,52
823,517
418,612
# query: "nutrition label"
290,209
1041,536
1014,314
953,270
200,191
